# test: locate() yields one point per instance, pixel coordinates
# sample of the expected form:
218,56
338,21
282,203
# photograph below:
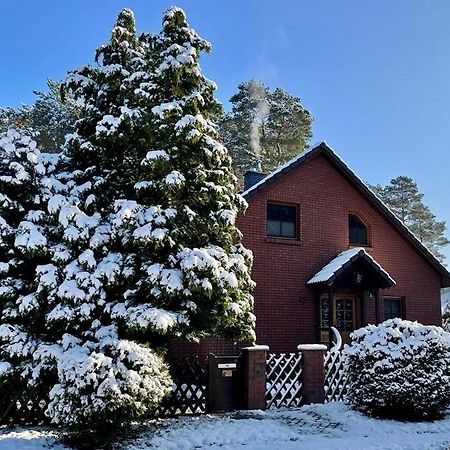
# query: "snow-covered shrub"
106,383
399,369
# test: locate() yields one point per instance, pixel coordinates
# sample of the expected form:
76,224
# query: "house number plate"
227,366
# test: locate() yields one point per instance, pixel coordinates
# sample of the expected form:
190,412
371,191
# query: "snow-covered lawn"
330,426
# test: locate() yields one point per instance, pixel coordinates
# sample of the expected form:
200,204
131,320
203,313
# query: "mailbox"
225,383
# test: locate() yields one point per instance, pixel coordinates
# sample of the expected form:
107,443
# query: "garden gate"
335,375
284,380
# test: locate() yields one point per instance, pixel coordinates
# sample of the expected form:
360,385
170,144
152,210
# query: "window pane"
357,230
344,314
392,308
288,229
324,313
287,213
273,228
281,220
273,212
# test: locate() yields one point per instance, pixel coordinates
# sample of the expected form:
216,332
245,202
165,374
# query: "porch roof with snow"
323,149
355,258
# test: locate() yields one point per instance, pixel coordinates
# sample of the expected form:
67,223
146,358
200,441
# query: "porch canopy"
353,268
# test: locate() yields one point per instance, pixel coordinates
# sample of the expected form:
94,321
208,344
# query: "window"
343,313
392,308
357,231
324,312
281,221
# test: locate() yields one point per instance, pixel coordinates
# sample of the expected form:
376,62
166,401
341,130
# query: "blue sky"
375,75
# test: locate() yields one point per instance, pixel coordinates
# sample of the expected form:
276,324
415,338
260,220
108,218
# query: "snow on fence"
283,380
284,387
335,376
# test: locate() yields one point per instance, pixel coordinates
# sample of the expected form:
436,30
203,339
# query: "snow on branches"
400,368
106,380
127,238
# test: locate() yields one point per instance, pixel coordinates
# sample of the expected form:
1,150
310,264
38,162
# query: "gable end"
362,187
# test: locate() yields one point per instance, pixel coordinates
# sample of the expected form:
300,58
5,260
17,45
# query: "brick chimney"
251,177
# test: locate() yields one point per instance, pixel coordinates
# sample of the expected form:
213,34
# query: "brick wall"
285,307
207,345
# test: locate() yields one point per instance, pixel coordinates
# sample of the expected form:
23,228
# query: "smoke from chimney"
258,95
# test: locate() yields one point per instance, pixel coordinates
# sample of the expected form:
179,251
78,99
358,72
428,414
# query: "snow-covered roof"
342,261
323,147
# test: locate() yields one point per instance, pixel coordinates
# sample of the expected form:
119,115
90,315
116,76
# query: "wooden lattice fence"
283,380
284,388
20,405
190,378
25,406
335,376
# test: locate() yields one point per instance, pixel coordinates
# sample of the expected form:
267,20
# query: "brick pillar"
254,364
313,375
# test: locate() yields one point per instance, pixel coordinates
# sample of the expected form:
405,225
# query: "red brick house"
318,232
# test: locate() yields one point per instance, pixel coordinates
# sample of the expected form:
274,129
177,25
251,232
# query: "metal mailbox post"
225,383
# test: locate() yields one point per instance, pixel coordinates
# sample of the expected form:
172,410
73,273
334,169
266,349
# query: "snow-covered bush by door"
400,369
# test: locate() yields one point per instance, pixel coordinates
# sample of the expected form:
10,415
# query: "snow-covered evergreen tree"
51,116
25,185
131,238
194,274
99,374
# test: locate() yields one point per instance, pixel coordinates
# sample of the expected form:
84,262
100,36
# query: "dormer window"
358,233
281,221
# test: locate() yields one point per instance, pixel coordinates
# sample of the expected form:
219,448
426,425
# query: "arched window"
357,231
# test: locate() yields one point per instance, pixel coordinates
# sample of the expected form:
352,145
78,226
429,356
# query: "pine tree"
402,196
102,378
264,128
194,275
51,117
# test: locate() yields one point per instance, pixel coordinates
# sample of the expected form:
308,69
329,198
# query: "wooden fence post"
313,376
254,365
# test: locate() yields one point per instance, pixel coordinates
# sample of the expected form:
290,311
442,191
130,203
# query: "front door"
344,311
343,316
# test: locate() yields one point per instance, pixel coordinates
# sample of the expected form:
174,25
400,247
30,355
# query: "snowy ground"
331,426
